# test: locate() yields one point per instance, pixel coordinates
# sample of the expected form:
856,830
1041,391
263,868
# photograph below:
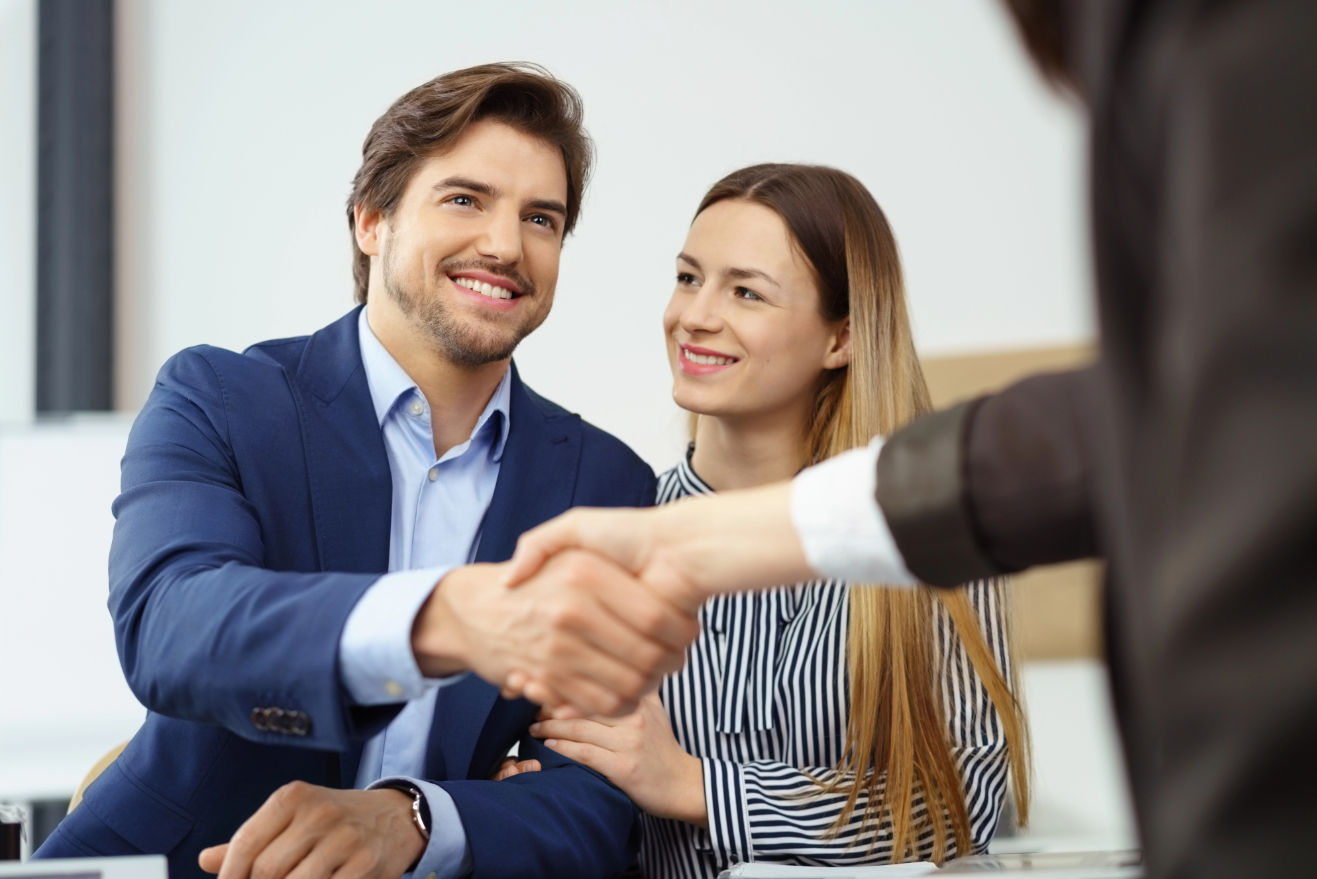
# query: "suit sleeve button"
261,719
299,723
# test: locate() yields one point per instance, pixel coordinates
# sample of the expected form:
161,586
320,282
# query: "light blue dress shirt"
439,508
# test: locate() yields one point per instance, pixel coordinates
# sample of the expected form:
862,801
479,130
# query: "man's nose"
500,239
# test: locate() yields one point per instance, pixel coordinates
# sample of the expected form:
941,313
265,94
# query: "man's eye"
546,222
464,201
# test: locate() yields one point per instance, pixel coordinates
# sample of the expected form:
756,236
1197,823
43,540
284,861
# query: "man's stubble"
466,343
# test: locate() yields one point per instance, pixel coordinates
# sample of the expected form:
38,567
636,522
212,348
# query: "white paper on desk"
762,870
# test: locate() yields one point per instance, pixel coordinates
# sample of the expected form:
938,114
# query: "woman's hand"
512,766
639,754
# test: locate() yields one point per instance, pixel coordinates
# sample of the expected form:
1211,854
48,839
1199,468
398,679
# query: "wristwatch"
420,811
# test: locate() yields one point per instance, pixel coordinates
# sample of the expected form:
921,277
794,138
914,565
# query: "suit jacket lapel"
347,466
536,481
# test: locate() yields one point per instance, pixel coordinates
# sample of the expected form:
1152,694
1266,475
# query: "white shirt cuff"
447,856
375,655
841,527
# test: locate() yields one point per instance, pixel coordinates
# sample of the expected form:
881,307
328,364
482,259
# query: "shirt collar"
389,382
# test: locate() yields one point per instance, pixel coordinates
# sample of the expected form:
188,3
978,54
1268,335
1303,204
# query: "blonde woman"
825,722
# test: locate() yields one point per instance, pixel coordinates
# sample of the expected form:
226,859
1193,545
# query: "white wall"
1079,785
18,174
241,126
64,699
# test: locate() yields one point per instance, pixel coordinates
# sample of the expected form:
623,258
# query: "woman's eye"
747,294
686,278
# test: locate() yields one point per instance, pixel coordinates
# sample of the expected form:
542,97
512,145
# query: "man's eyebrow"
468,183
548,204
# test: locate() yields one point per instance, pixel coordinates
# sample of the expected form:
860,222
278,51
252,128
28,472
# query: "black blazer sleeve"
994,485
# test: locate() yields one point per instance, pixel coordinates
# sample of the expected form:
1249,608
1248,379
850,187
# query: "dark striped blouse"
763,701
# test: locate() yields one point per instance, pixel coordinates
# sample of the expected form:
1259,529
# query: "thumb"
537,546
211,859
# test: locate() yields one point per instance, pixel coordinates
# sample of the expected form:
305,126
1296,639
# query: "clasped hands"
596,606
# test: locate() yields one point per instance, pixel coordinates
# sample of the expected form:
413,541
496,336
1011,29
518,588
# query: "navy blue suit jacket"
255,512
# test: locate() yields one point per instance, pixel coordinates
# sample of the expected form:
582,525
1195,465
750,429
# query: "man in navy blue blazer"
287,512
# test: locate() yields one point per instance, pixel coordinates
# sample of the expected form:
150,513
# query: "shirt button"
430,876
434,473
417,407
393,688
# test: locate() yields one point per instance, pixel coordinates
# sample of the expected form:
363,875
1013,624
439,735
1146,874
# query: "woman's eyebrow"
745,274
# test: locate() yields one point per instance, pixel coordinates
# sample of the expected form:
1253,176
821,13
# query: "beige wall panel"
1057,607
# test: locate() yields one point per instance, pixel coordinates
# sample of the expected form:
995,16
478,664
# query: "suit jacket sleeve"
565,820
995,485
204,631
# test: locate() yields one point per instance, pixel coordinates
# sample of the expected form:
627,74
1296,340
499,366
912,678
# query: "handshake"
596,606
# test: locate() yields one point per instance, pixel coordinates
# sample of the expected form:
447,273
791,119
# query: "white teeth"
706,359
484,289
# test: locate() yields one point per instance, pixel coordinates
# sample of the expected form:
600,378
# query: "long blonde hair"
897,737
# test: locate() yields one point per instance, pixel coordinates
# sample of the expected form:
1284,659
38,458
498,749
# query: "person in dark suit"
307,711
1187,457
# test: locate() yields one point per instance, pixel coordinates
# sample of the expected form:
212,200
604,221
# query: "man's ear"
366,228
839,347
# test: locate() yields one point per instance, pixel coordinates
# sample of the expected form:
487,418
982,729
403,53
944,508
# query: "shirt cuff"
730,837
375,658
447,856
841,527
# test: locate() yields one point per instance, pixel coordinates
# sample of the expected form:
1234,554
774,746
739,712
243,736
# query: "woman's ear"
366,227
839,347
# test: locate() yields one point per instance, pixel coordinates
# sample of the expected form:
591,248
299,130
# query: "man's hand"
587,631
311,832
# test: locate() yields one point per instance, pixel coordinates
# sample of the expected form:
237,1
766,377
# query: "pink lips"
690,367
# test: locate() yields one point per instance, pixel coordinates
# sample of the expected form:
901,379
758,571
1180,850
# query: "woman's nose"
701,313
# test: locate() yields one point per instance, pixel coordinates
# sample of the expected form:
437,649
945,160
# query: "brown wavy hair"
428,120
897,737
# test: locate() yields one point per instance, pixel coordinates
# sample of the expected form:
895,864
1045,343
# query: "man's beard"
467,343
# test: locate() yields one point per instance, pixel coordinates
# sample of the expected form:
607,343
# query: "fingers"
599,759
587,732
605,609
260,830
210,859
335,854
285,853
666,628
537,546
